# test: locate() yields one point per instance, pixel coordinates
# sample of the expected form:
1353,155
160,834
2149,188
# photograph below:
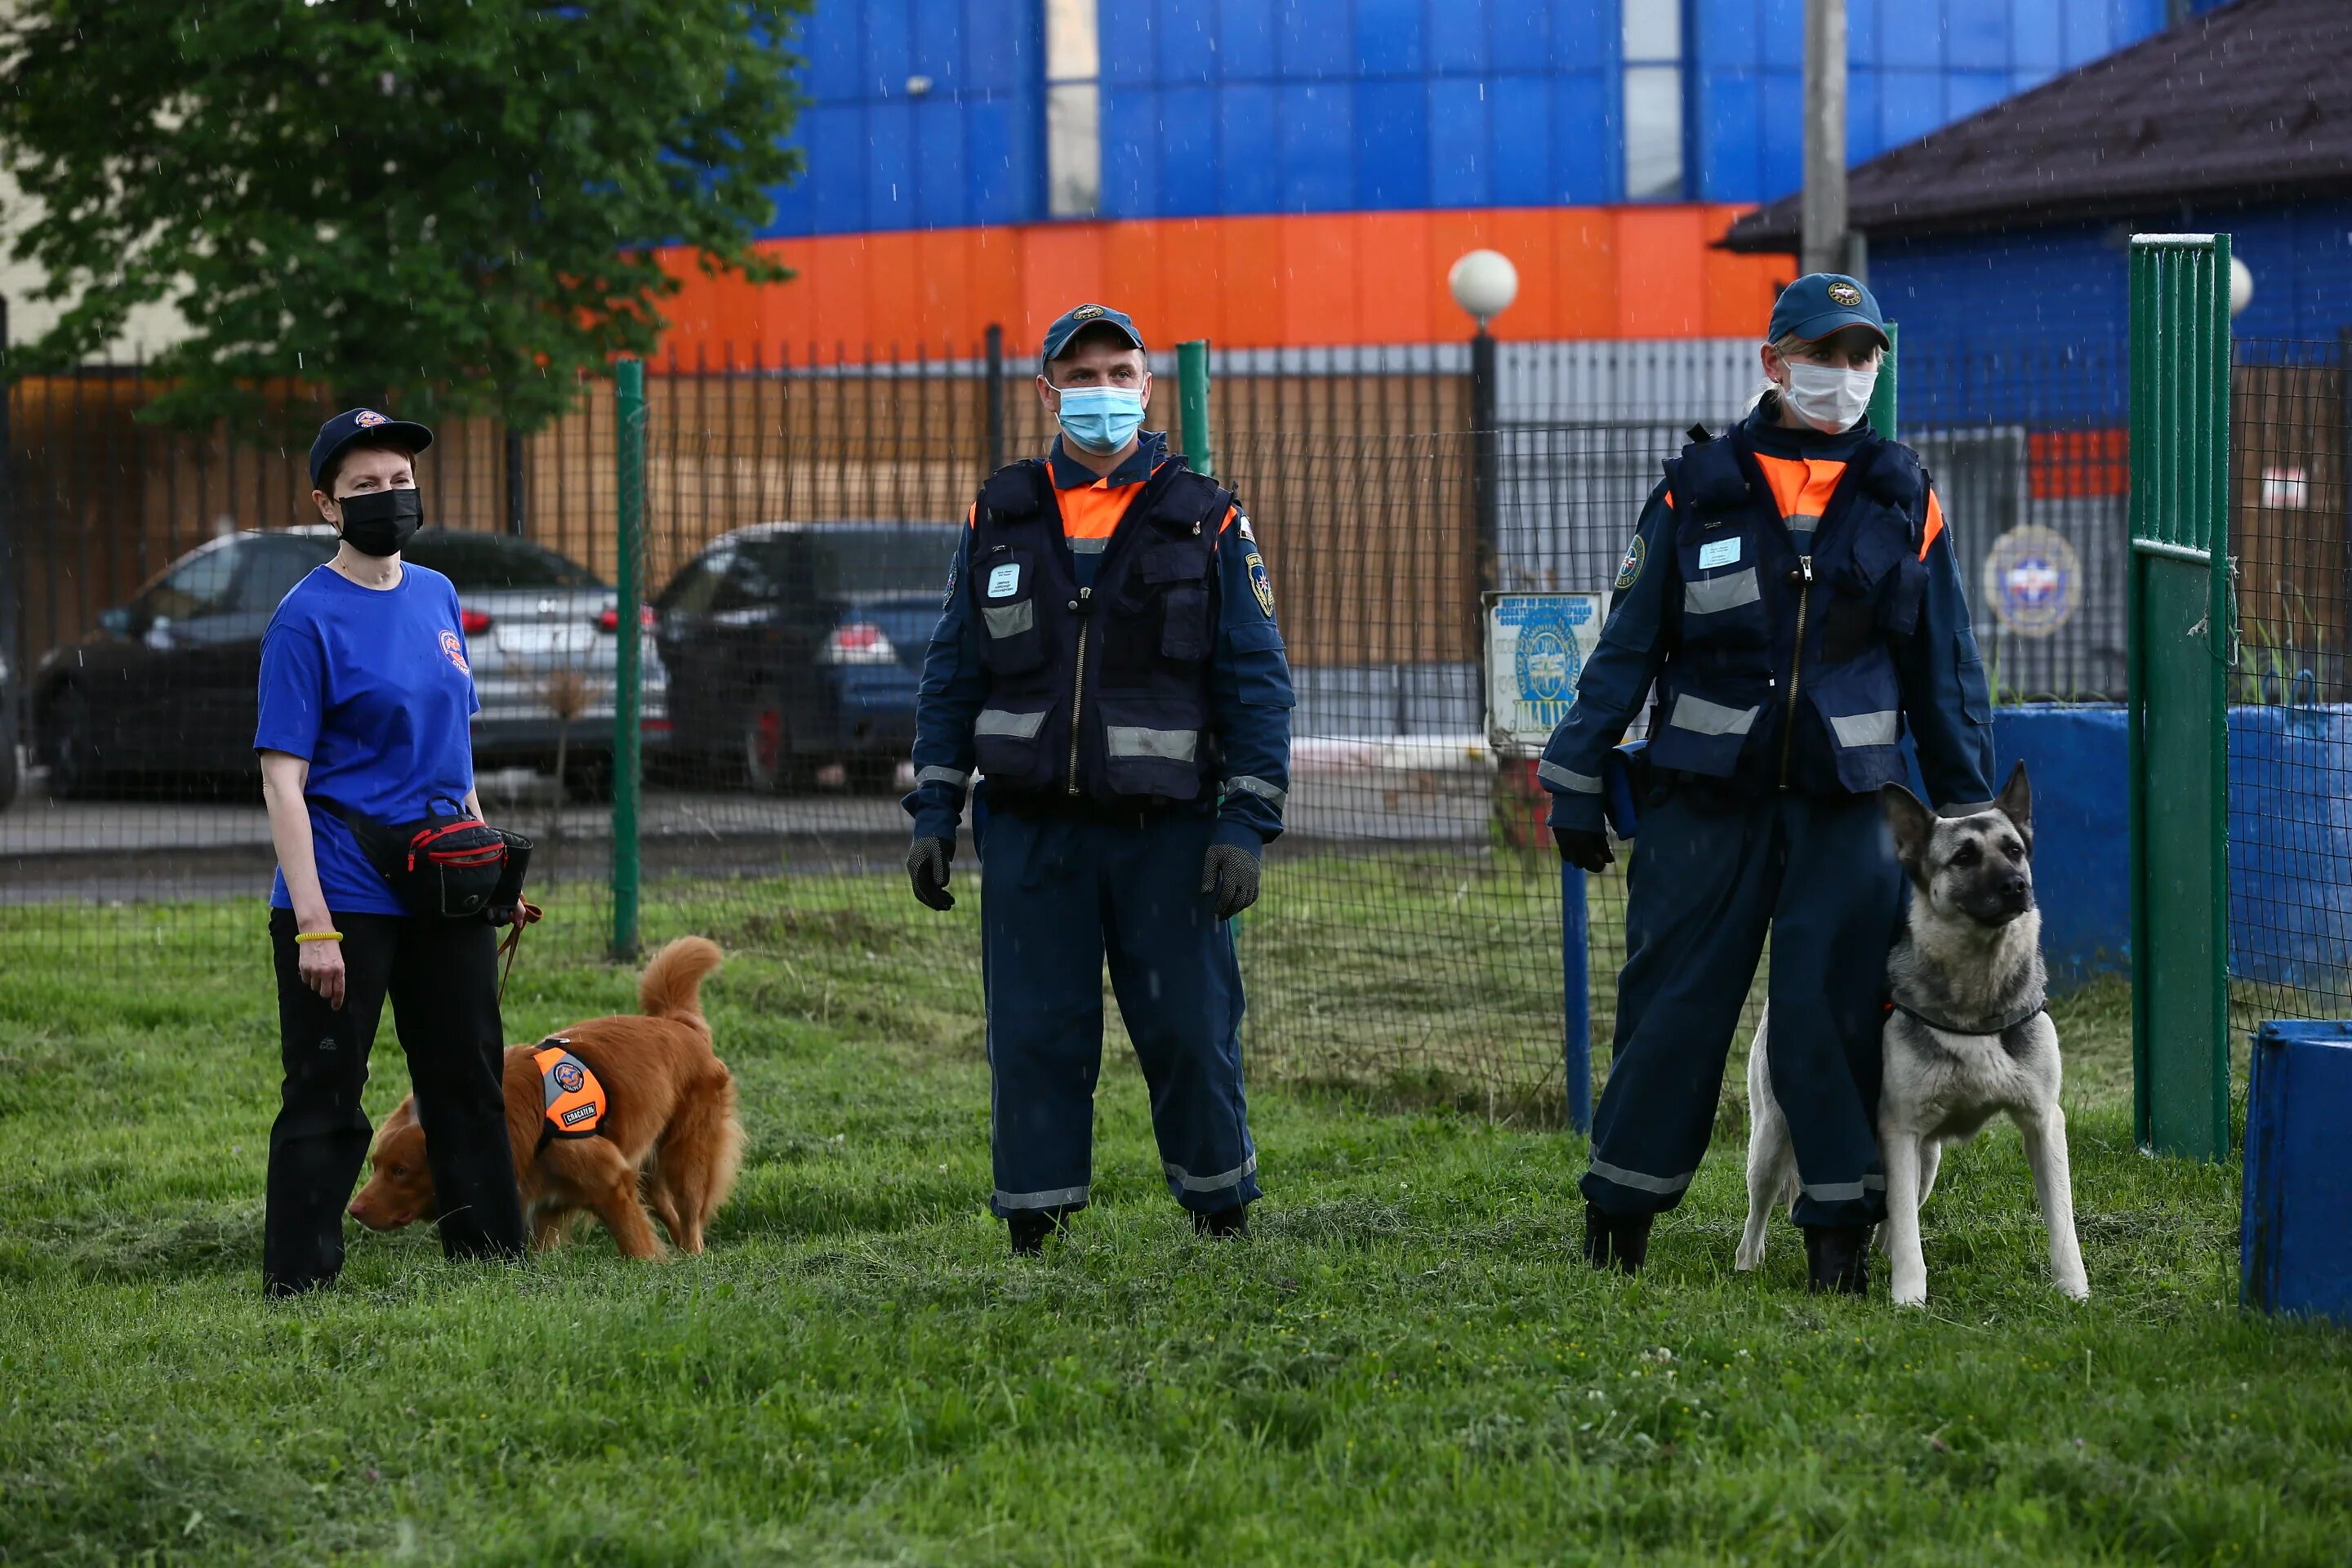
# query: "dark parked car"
10,774
791,646
166,686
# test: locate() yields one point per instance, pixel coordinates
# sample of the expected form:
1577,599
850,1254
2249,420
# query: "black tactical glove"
927,867
1229,872
1585,851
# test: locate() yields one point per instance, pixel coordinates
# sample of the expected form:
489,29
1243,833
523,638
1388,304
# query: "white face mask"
1825,397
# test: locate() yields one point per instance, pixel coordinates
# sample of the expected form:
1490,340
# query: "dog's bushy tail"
671,986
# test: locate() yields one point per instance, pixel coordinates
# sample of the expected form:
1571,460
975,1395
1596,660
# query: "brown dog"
664,1097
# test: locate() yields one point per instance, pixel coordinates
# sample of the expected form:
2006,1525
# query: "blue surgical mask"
1102,419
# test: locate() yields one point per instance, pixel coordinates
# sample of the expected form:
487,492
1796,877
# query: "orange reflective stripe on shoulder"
1232,513
971,515
1935,525
572,1099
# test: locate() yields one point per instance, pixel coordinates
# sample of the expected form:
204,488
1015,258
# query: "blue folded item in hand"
1623,772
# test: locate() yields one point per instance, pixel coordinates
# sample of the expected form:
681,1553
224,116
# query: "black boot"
1030,1227
1615,1241
1233,1222
1837,1258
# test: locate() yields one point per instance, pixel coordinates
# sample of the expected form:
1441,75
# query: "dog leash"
525,913
2005,1027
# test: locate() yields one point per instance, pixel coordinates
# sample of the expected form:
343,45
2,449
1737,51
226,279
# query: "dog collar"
2005,1027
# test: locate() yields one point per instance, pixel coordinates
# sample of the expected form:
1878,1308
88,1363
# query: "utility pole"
1826,249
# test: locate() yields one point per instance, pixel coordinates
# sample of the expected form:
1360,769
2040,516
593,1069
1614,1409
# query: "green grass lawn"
1408,1363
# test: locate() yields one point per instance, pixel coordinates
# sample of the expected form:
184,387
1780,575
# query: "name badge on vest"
1004,582
1722,553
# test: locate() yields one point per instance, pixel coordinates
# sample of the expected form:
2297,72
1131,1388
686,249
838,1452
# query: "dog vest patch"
572,1099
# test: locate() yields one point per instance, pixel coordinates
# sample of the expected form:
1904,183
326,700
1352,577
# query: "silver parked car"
165,686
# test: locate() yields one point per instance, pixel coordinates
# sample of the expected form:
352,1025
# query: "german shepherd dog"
1966,1035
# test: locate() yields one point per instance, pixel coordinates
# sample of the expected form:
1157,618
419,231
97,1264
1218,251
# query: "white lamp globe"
2242,285
1484,283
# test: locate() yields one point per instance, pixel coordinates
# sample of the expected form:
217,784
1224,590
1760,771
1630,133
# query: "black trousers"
443,979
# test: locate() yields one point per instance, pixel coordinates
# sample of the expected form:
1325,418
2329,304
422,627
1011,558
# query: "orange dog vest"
572,1100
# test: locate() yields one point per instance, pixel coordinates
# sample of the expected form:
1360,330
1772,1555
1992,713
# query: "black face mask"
381,522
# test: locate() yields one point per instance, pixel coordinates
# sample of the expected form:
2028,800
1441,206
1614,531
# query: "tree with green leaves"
454,204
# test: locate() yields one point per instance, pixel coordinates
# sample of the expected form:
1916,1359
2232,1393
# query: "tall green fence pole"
1881,412
2180,624
629,422
1192,405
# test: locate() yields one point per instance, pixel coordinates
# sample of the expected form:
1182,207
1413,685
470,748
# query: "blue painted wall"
1298,106
2290,841
2063,290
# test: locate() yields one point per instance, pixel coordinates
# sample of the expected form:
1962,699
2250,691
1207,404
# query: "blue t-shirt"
372,686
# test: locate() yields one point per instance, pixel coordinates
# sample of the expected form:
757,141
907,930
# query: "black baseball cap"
355,424
1821,303
1071,322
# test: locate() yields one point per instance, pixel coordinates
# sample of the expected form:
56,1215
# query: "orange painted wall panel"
1301,280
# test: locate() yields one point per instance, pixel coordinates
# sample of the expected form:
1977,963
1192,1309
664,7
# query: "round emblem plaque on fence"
2032,580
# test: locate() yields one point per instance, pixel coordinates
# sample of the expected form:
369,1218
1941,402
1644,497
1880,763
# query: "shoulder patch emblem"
1844,294
1242,526
1628,571
1259,585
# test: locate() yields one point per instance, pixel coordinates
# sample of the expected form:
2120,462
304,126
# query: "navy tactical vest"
1782,673
1099,693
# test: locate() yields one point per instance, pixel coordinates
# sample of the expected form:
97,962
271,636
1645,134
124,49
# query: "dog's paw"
2077,1288
1748,1260
1908,1292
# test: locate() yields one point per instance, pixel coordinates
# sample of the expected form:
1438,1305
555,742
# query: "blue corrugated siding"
1301,106
2062,288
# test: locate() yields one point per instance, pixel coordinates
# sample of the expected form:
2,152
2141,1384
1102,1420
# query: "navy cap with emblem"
362,423
1821,303
1070,323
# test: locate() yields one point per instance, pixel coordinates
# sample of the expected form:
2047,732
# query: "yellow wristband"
318,936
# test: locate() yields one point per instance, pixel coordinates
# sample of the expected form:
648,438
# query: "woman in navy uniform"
1794,596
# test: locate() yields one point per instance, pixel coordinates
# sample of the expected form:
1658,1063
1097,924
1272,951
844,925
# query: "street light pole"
1825,247
1484,283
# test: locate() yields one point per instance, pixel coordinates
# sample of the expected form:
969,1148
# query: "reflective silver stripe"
1844,1191
1257,787
1089,546
1865,729
1582,783
1702,717
1131,740
1801,523
1667,1185
942,775
997,721
1051,1198
1009,620
1193,1184
1712,596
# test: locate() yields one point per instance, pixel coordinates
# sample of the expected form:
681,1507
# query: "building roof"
2249,102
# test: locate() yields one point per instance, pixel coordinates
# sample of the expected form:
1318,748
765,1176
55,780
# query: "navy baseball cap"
1821,303
355,424
1070,323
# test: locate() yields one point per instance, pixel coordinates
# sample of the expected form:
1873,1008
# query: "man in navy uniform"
1792,593
1108,659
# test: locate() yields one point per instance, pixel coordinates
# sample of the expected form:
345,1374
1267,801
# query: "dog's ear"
1913,823
2016,802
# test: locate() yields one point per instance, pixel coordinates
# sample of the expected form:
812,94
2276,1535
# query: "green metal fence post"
1192,405
1880,413
2178,731
629,420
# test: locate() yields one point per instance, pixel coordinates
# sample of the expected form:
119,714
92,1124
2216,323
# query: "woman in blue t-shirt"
366,696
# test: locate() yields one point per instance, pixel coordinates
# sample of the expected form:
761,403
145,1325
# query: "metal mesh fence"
2289,766
800,513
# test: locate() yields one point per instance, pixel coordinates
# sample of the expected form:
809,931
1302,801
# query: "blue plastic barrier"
2296,1245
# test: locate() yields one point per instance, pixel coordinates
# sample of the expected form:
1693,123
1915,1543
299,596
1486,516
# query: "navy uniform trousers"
1711,871
1058,897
